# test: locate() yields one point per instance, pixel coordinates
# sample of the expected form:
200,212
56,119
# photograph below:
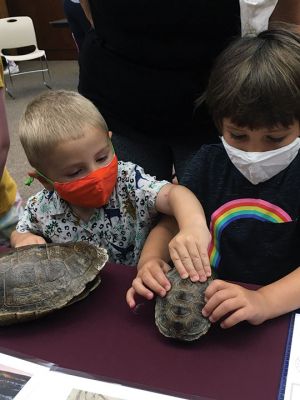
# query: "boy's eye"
237,137
101,159
75,173
276,139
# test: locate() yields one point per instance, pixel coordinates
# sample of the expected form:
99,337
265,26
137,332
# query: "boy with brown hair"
248,185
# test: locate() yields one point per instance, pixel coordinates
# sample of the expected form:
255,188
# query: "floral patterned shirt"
121,226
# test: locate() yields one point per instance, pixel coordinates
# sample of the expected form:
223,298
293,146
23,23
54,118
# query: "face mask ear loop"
28,181
111,145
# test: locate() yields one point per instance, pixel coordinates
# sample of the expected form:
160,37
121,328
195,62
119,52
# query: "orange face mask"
93,190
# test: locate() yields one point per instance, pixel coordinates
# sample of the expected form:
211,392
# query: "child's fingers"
226,307
130,297
165,268
183,263
205,260
160,278
141,289
233,319
197,261
220,303
155,272
149,284
40,241
214,287
190,259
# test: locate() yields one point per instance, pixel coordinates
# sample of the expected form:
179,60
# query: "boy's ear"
43,181
110,134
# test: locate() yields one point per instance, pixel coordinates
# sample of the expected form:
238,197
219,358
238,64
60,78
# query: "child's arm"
189,248
29,222
255,306
18,239
153,261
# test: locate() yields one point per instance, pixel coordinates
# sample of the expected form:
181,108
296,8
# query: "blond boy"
89,196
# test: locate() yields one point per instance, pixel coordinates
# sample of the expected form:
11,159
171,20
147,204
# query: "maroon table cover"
100,335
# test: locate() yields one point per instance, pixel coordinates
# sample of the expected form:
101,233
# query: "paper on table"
19,376
292,387
60,386
35,380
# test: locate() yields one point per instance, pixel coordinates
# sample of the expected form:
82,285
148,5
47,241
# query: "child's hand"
233,302
150,278
189,252
25,239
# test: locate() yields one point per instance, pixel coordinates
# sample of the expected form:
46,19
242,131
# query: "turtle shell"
178,314
36,280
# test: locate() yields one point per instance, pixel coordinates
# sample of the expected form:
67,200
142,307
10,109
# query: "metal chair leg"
42,69
47,67
11,83
9,93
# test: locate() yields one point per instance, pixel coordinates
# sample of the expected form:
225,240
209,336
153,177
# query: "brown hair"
256,81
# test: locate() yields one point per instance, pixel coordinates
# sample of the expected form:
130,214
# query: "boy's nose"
255,149
92,167
255,146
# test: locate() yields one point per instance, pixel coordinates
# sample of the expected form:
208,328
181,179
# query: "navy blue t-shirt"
255,228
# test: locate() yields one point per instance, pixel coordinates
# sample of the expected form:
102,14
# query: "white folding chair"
18,32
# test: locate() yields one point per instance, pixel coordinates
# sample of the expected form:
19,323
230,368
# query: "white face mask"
260,166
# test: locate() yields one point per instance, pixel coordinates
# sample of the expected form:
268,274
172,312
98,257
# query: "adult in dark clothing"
77,20
145,64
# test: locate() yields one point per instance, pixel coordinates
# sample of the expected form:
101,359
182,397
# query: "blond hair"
55,117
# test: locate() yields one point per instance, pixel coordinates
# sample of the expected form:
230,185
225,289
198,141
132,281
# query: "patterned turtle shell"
38,279
178,314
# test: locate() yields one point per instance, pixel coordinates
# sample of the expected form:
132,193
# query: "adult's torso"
152,58
166,34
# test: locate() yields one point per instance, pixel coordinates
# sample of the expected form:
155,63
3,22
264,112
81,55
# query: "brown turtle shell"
36,280
178,314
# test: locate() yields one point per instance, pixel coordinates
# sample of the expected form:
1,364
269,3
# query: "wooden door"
3,9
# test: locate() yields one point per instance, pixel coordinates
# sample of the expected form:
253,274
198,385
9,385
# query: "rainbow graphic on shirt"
238,209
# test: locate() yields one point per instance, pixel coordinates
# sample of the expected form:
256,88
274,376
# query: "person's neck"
83,213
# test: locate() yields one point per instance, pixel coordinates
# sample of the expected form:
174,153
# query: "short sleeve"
29,221
195,171
142,189
206,171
